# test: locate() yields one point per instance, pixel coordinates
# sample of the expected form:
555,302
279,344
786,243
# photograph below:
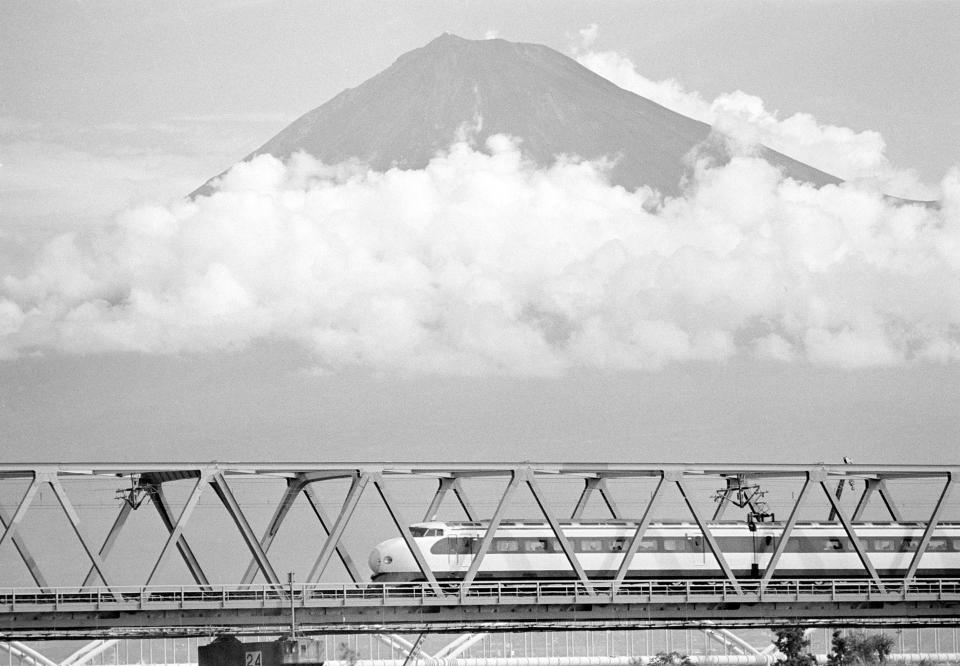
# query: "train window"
648,546
506,545
937,546
535,545
909,545
955,544
591,545
425,531
617,545
673,545
884,545
833,544
453,546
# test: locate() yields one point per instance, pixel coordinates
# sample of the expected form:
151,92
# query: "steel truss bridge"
105,603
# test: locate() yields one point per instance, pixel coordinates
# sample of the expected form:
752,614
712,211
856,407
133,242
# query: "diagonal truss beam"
229,500
851,534
21,545
159,500
401,525
280,513
677,478
325,523
458,645
928,532
879,487
784,536
565,544
11,527
446,484
401,644
637,537
26,654
357,487
108,542
296,485
414,652
177,531
491,530
74,519
592,484
89,651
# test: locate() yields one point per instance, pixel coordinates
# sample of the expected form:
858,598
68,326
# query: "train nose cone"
375,560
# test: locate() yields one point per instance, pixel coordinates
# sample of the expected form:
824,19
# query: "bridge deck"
376,607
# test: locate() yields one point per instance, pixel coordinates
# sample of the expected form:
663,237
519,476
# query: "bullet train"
529,550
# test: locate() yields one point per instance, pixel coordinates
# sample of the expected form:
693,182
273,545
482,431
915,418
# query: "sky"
111,111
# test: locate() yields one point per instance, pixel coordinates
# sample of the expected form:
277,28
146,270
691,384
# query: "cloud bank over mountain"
487,260
849,154
484,263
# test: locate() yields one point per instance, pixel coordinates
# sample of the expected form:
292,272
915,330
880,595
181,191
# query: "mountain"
407,113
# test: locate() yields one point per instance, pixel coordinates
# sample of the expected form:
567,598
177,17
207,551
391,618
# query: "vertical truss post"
591,484
491,530
557,530
25,501
851,534
785,535
269,534
229,501
357,486
407,536
23,550
108,542
677,478
177,531
928,532
637,536
74,519
160,503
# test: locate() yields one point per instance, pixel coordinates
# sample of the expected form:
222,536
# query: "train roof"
468,524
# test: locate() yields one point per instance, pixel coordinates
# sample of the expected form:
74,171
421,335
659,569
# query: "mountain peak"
417,107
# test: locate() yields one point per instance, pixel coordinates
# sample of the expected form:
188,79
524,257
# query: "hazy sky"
105,105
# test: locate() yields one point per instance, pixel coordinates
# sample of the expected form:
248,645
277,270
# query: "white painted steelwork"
701,603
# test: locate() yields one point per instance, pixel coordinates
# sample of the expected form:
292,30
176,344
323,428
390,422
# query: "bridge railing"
492,592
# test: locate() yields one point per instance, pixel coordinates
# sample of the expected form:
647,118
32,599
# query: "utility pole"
293,610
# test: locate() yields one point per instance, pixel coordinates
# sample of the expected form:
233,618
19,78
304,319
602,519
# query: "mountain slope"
403,116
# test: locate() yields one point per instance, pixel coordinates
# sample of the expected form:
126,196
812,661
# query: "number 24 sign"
253,659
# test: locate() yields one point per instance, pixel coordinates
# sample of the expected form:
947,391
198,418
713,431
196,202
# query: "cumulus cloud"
483,263
841,151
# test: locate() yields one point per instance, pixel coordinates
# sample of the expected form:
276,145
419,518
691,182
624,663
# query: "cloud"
844,152
481,263
588,35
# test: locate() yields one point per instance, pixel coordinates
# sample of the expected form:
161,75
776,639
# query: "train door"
763,545
460,553
698,550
